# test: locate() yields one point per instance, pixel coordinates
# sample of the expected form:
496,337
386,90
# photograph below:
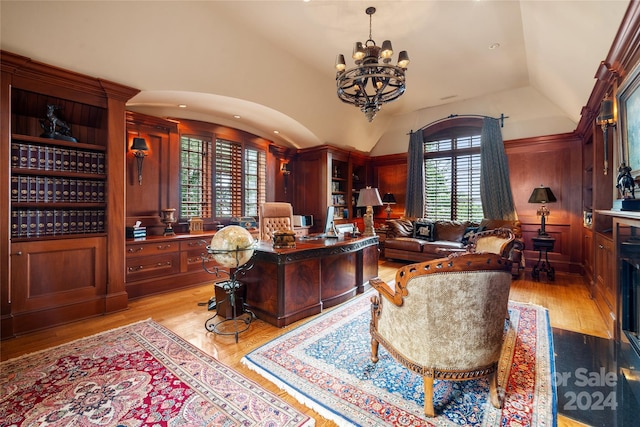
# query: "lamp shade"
139,144
369,197
542,195
389,198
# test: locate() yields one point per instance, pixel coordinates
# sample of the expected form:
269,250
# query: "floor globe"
232,246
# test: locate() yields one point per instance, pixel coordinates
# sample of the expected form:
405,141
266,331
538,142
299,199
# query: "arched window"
452,169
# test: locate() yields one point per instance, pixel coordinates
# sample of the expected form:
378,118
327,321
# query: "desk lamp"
369,197
542,195
389,199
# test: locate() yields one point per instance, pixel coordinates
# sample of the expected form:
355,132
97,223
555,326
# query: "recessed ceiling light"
236,116
182,105
494,46
276,132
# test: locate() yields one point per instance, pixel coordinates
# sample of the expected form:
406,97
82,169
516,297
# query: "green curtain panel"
415,176
495,185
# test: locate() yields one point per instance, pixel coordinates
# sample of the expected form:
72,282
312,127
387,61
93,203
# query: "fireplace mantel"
633,215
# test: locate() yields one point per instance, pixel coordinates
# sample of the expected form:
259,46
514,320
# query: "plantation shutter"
195,177
228,179
254,180
452,178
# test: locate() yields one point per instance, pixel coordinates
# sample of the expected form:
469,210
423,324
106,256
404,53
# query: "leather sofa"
422,239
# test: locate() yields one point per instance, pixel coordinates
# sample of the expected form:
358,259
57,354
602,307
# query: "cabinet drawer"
152,266
152,248
191,244
192,261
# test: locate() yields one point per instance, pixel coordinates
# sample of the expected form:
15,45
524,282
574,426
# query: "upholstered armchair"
274,216
444,319
497,241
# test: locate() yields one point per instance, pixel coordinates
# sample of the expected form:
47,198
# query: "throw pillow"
468,232
424,230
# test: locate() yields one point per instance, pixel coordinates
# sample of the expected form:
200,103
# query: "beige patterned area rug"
140,374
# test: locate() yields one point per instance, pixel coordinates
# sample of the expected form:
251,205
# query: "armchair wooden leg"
428,396
374,350
496,399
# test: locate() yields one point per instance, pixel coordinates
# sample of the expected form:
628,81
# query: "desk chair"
274,216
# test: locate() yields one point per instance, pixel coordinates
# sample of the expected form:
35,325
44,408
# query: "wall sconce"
389,199
542,195
606,119
139,148
284,168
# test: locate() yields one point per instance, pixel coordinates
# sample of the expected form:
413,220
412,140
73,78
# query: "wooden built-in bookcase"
62,247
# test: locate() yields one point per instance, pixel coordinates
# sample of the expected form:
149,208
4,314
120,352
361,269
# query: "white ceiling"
271,62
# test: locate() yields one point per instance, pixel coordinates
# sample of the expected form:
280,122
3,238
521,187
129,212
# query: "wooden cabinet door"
57,281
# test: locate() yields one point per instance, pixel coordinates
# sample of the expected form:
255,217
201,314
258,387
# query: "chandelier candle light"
370,83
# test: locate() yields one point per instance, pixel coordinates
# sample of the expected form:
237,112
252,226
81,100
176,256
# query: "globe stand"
237,323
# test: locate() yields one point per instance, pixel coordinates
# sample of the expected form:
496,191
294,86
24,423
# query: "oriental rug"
140,374
325,364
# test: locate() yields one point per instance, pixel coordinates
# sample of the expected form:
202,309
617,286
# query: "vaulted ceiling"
271,62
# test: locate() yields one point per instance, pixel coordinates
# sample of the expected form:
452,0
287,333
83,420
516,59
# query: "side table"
543,244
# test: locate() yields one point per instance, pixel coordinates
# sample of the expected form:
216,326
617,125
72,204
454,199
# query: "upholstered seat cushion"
441,247
406,244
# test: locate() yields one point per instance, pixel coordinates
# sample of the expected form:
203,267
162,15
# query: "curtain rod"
453,116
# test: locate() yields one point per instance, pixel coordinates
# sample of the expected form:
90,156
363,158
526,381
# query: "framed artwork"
628,100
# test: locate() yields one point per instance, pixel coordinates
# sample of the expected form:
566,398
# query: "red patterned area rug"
140,374
325,364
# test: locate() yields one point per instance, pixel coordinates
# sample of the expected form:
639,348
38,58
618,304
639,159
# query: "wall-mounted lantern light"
606,119
284,168
139,148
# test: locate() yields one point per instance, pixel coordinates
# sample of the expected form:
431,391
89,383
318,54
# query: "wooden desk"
286,285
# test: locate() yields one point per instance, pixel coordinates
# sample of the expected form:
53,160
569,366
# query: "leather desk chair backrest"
275,216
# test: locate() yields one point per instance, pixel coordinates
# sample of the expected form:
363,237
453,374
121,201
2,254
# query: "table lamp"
369,197
389,199
542,195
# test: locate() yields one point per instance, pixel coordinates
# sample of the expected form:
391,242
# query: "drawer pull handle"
163,247
198,243
133,250
137,268
601,247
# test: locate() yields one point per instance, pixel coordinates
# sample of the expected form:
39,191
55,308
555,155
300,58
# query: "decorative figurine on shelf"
196,225
54,127
167,219
625,182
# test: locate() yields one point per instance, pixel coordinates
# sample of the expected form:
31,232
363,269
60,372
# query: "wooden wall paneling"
556,162
160,175
390,176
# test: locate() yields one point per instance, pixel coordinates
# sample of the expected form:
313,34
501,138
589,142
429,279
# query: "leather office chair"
274,216
444,319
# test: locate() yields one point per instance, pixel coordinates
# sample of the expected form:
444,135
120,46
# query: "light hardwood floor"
567,299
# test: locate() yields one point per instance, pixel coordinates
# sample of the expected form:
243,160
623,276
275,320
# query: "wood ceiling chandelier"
370,83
